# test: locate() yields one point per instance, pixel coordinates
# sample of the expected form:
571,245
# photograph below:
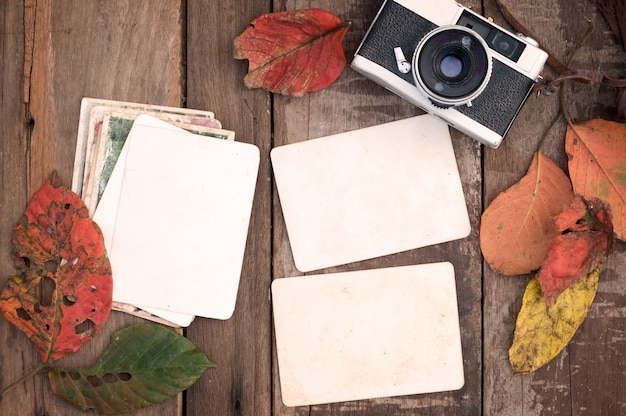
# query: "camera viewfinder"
505,45
497,40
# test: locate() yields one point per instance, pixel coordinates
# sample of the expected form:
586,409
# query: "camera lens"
451,65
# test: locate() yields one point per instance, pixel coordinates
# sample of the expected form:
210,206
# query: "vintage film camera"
453,63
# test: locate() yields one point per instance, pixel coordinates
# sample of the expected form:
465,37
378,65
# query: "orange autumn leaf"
62,295
293,52
586,240
596,151
517,228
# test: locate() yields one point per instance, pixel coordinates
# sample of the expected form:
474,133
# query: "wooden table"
179,53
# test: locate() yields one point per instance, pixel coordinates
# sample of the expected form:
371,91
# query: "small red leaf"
586,241
62,295
293,52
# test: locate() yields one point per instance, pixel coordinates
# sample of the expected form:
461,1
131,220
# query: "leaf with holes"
62,295
293,52
145,364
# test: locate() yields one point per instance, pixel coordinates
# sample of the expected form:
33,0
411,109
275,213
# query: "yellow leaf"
541,333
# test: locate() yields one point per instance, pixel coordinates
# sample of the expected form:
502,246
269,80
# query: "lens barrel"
452,65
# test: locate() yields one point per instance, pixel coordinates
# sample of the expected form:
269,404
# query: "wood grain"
354,102
179,53
241,347
16,355
54,54
589,376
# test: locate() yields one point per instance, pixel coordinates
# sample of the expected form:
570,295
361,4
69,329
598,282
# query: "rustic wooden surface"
179,53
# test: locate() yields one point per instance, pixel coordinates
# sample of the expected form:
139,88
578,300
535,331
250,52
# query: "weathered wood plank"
589,376
354,102
241,345
16,355
55,53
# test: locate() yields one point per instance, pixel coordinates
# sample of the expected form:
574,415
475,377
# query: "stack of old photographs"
172,192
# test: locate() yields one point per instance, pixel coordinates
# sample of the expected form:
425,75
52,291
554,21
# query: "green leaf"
145,364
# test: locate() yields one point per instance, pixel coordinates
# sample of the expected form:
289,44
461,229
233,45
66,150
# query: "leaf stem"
39,369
